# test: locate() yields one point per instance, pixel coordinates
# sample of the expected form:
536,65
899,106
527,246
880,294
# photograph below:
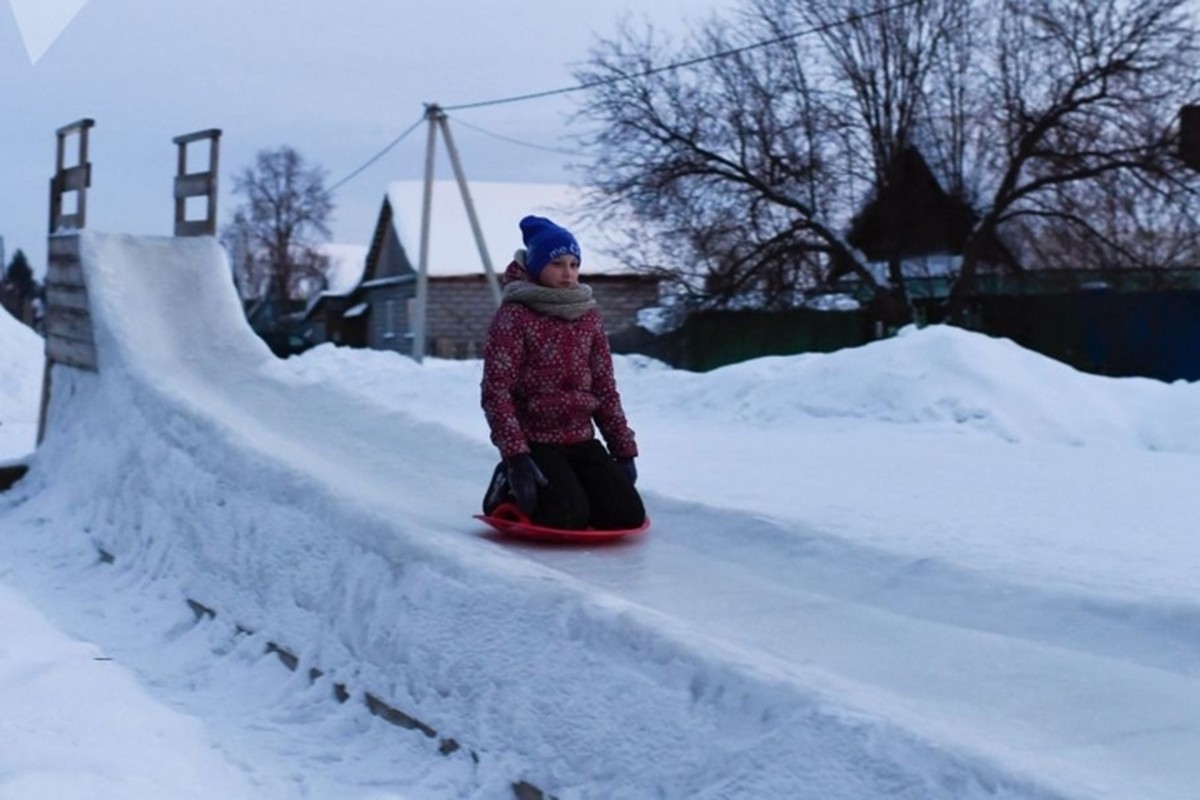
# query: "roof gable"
345,264
911,214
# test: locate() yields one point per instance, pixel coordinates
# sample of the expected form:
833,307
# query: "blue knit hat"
544,242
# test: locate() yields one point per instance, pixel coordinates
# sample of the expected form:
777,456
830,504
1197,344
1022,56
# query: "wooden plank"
208,133
78,125
72,222
196,184
66,282
63,248
65,275
81,355
65,296
72,179
41,430
197,227
64,245
69,323
69,341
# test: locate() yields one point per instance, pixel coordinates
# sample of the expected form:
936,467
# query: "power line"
643,74
380,154
511,140
690,62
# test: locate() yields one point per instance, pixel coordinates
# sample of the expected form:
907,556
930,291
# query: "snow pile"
48,679
939,380
20,387
943,378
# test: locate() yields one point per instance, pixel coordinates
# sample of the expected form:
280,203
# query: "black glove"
524,478
629,468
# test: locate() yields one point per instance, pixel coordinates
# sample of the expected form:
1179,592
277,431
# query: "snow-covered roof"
346,264
499,207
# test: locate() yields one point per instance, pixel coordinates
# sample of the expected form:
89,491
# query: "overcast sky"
336,80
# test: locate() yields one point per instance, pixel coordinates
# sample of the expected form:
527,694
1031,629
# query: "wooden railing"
70,179
197,184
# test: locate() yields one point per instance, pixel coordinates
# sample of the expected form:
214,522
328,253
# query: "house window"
410,318
389,319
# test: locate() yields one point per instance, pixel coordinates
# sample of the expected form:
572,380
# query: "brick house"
460,301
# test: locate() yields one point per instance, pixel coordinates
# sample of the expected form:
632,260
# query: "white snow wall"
200,461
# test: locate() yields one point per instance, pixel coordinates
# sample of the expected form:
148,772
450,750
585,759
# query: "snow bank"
48,680
947,378
935,380
21,388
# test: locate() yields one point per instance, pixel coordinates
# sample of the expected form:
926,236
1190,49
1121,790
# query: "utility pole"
438,123
422,299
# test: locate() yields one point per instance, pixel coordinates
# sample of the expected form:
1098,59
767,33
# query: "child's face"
561,273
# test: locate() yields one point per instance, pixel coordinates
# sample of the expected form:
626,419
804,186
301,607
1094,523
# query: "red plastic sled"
507,518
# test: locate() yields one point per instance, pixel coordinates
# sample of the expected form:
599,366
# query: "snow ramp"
338,530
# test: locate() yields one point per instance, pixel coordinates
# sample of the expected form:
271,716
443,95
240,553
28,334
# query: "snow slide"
675,667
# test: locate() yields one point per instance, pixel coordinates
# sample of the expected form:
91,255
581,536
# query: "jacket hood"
516,270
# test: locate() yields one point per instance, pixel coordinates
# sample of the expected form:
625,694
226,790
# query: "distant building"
378,311
330,315
285,325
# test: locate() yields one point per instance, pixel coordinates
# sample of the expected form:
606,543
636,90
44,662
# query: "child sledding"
548,385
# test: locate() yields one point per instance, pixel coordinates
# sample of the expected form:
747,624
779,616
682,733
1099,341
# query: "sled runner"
507,518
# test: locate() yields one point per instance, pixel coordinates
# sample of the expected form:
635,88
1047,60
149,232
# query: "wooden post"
69,338
476,230
70,179
437,121
202,183
432,112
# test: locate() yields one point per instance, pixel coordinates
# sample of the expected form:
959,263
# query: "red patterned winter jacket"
545,379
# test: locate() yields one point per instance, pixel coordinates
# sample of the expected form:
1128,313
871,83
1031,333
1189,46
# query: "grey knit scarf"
570,303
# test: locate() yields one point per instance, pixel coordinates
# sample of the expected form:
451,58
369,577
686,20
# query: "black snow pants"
586,488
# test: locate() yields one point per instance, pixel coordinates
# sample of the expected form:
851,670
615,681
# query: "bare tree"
892,60
899,65
735,163
1114,223
273,235
1085,92
750,159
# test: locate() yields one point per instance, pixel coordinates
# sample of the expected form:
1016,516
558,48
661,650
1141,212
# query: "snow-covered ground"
937,566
